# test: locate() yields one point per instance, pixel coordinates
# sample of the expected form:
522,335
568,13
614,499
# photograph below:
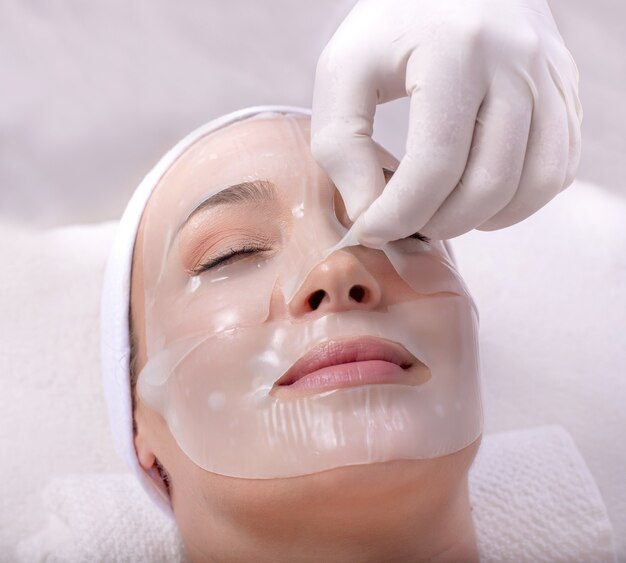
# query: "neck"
399,527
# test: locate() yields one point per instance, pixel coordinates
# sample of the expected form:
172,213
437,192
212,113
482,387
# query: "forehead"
275,148
255,149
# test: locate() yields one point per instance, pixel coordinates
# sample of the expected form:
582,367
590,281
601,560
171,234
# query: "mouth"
350,363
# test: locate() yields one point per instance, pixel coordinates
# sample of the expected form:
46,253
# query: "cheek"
278,309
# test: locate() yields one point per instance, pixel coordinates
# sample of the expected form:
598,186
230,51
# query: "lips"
348,363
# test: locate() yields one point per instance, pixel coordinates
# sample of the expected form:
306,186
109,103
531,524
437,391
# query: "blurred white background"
94,92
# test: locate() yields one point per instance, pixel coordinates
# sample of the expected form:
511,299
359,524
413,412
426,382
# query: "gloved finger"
495,162
443,110
344,103
547,157
569,94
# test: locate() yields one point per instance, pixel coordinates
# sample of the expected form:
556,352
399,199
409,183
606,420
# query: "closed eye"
234,254
228,257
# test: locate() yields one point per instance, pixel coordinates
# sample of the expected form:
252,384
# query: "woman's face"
231,245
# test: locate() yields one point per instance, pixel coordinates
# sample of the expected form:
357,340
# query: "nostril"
357,292
316,299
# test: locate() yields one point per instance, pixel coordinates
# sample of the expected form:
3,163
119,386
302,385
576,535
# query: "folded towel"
533,499
101,518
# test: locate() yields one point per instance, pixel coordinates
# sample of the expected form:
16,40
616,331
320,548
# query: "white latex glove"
494,125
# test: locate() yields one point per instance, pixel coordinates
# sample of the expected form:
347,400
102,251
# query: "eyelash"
420,236
227,256
245,250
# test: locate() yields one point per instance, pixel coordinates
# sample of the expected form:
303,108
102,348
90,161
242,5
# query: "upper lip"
336,352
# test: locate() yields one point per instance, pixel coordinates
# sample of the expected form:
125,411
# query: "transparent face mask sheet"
218,340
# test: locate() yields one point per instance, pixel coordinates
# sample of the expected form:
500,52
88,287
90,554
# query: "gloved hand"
494,125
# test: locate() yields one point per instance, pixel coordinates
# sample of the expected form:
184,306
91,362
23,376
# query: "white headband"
115,335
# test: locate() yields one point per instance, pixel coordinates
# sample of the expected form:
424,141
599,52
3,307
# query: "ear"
147,459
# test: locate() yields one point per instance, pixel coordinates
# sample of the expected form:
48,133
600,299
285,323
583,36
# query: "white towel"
101,518
533,500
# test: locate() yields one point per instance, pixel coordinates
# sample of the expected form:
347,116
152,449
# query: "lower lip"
350,375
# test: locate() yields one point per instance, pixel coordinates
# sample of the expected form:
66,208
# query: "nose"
339,283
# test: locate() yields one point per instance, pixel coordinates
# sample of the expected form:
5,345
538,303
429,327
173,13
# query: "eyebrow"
245,193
